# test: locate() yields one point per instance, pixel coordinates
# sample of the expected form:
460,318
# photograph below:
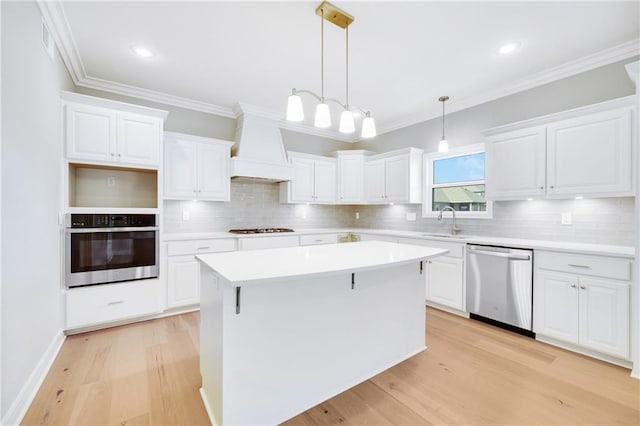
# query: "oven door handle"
123,229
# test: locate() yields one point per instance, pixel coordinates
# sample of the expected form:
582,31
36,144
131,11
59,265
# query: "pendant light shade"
347,123
368,127
295,112
323,117
340,18
443,146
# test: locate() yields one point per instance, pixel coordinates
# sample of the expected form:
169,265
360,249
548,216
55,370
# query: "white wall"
31,199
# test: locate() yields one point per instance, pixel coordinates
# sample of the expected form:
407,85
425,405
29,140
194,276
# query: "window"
456,179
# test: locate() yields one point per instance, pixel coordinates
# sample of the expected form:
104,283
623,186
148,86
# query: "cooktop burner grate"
260,230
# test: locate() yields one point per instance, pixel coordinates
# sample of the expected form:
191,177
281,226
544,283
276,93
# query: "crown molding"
56,21
568,69
58,26
151,95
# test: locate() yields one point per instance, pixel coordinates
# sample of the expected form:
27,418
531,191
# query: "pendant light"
443,146
322,118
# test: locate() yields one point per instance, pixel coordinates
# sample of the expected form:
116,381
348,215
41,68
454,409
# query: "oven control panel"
110,220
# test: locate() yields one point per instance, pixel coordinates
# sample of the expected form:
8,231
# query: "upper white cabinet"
351,176
516,164
393,177
582,152
314,180
590,155
196,168
99,130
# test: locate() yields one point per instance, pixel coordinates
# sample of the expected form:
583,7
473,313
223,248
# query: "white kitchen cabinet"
314,180
317,239
257,243
351,176
516,164
444,275
582,152
107,303
590,155
183,270
394,177
583,300
103,131
196,168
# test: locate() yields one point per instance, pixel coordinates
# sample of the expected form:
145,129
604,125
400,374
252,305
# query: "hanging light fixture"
322,119
443,146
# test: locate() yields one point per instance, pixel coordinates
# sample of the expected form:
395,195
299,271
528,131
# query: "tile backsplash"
255,203
602,221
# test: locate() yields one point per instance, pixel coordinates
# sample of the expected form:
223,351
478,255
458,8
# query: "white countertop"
261,266
562,246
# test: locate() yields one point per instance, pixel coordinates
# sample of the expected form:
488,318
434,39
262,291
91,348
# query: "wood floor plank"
471,373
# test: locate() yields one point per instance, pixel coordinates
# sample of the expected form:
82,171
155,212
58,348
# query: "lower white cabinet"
586,308
88,306
268,242
183,270
444,275
317,239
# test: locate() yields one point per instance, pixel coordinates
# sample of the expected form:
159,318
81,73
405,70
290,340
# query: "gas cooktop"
260,230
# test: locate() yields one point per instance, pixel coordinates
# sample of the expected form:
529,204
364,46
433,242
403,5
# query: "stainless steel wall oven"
106,248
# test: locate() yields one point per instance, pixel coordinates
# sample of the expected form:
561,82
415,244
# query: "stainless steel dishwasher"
500,286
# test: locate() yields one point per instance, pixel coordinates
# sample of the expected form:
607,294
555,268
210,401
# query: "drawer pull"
573,286
579,266
317,241
583,287
204,248
117,302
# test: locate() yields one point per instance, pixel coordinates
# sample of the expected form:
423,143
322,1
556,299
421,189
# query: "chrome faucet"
454,228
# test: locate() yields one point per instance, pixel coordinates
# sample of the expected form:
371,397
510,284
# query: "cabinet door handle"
117,302
573,286
542,187
573,265
119,155
204,248
551,186
583,287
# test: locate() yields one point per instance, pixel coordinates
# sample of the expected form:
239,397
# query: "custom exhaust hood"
259,151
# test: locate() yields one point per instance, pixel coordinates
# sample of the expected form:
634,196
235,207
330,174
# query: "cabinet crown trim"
116,105
624,102
194,138
403,151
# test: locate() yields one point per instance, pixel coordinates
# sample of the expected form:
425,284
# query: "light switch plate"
566,218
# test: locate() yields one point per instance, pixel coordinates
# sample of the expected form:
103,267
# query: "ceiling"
403,55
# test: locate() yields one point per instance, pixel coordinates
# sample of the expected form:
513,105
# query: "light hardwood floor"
148,374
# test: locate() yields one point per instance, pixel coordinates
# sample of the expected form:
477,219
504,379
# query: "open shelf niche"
113,187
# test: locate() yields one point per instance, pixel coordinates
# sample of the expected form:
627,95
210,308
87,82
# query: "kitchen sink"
445,236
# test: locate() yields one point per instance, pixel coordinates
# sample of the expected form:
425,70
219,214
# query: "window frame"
428,185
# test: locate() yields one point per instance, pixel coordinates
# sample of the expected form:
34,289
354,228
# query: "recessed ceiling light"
509,48
141,51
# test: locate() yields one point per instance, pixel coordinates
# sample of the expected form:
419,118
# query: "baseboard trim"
25,397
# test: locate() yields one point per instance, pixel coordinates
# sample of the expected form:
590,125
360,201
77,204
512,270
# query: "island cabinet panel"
271,350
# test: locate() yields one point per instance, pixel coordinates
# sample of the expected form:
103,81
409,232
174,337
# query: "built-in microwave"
107,248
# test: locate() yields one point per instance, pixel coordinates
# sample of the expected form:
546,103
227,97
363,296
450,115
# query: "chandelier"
322,119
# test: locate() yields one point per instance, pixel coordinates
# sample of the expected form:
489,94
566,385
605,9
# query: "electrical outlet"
186,215
411,216
111,181
566,218
357,215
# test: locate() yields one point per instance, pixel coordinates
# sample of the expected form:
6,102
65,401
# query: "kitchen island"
282,330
